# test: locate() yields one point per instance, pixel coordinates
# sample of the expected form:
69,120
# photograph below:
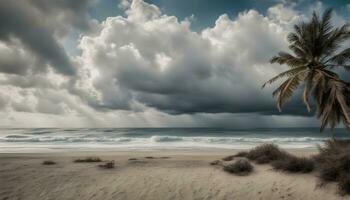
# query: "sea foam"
162,138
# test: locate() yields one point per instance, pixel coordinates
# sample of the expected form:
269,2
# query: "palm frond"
326,24
288,59
308,86
299,51
287,73
335,39
319,88
335,105
285,91
341,58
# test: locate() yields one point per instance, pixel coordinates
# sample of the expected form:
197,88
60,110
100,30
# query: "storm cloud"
141,68
158,61
33,25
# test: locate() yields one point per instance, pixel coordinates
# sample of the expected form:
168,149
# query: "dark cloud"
70,13
163,64
14,61
166,66
33,63
142,68
34,24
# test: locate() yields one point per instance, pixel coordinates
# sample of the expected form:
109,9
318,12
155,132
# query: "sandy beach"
168,175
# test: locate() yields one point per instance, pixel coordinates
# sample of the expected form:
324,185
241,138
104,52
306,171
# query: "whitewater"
59,139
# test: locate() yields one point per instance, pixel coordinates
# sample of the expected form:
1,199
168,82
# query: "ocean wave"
157,139
228,140
40,132
163,138
17,136
69,139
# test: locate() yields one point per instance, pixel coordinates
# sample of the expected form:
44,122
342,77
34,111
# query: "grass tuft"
241,154
216,162
266,153
48,162
279,159
241,167
333,162
232,157
108,165
88,160
228,158
294,164
344,184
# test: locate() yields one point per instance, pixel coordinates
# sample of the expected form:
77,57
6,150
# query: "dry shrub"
279,159
228,158
241,154
231,157
108,165
49,162
88,159
240,167
344,184
216,162
266,153
333,162
294,164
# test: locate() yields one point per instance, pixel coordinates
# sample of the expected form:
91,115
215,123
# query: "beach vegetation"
279,159
108,165
216,162
241,154
344,184
48,162
232,157
228,158
240,167
294,164
88,159
266,153
333,163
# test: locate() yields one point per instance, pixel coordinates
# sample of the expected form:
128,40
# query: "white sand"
185,175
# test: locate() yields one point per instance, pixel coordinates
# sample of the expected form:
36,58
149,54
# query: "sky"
148,63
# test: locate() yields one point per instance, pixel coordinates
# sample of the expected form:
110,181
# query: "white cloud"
150,69
160,62
124,4
283,14
141,11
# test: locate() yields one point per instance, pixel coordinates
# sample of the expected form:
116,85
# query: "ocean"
85,139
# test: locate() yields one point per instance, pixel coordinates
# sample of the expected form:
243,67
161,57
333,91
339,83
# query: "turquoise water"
55,139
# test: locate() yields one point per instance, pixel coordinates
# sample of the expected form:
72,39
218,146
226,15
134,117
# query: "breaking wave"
157,138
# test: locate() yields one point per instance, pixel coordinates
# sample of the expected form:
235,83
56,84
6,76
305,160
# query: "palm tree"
318,50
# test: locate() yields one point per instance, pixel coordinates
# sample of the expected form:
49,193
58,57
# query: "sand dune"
185,175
